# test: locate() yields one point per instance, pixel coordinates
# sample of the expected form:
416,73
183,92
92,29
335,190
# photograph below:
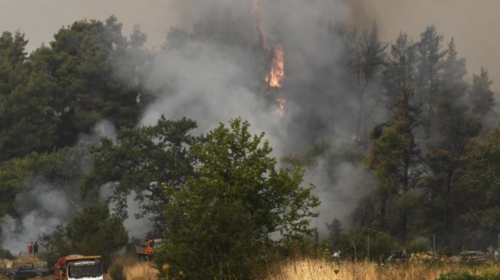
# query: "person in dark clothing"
35,249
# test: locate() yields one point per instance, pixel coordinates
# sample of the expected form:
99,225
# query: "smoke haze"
211,84
472,23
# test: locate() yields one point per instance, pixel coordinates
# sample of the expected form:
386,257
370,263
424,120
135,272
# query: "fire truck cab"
79,267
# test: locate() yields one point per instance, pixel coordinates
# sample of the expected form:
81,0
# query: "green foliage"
335,229
139,159
116,271
481,96
395,159
6,254
220,224
418,245
355,246
63,168
465,275
94,232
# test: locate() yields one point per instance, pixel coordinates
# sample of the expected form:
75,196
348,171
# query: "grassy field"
322,270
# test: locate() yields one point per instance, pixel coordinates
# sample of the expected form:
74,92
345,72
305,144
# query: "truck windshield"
84,271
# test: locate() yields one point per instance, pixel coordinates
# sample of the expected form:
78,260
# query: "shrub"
354,245
418,245
464,275
116,271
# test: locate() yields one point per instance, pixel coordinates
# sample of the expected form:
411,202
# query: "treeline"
433,155
432,158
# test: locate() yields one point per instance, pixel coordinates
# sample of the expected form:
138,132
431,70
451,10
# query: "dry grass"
141,271
321,270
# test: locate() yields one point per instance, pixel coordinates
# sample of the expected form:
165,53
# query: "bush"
418,245
354,245
464,275
116,271
6,254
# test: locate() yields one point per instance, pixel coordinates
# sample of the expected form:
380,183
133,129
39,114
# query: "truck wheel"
38,276
12,277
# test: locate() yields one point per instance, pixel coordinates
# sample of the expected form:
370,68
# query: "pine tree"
368,60
400,72
430,55
481,96
395,160
454,127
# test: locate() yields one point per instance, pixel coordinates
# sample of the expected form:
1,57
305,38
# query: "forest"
396,140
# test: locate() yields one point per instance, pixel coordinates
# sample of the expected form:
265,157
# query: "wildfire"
277,68
277,71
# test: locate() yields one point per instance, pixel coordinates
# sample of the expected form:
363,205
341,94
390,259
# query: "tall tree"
368,60
28,120
94,232
87,55
454,128
400,72
138,161
220,225
395,160
481,96
479,187
430,55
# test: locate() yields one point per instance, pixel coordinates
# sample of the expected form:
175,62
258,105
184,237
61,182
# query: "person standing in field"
30,248
35,249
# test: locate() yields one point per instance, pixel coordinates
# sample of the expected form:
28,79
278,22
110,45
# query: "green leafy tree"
91,61
27,120
396,163
139,160
221,223
63,169
94,232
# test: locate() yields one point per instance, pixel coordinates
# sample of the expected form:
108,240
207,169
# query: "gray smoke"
44,204
213,82
41,209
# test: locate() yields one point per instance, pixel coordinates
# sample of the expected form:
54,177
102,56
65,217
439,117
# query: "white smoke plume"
42,209
44,205
211,83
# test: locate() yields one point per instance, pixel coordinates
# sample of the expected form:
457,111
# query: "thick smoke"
138,228
212,82
44,204
41,209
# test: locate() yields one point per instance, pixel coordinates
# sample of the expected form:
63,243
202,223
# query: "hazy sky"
473,23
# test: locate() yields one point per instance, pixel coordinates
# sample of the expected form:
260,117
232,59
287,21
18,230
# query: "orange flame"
277,68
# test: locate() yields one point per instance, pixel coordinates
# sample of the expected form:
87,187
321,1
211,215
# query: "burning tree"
273,60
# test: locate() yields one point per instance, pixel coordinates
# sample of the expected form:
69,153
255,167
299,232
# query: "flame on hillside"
277,72
277,67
